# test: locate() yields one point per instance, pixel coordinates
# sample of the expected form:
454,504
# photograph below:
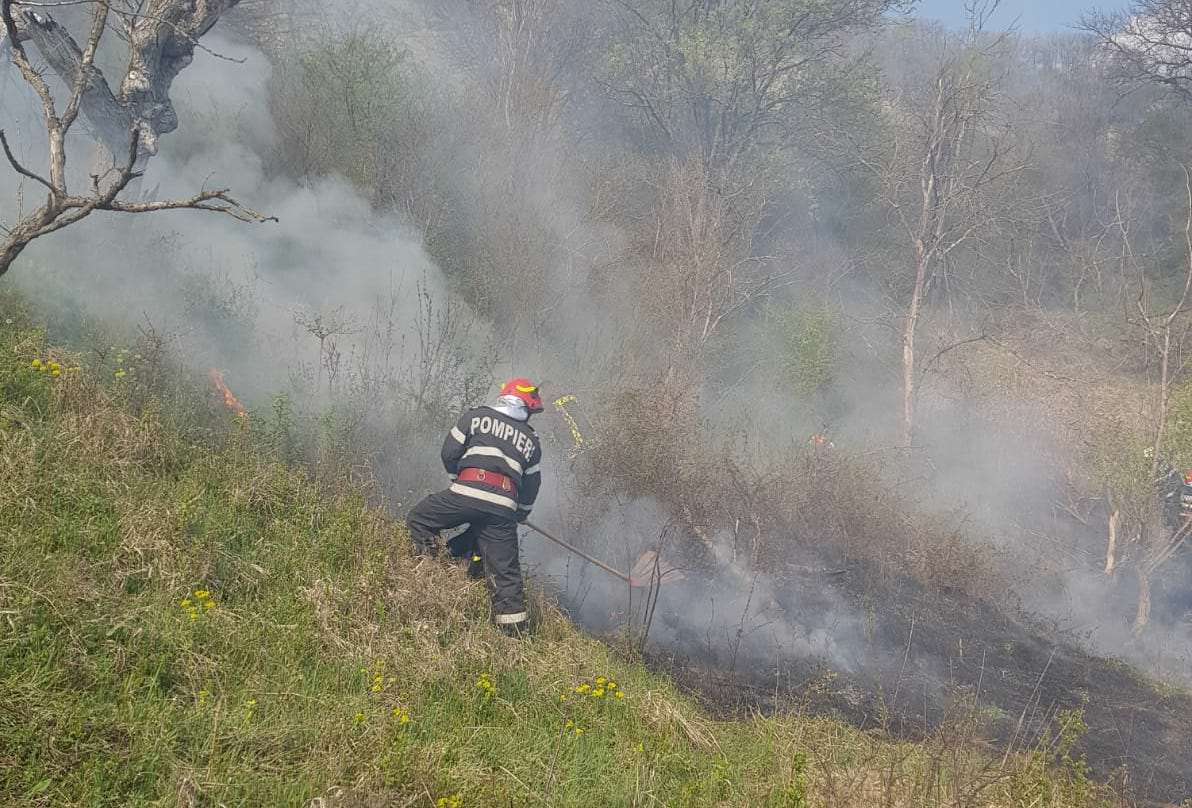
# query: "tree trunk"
1111,550
9,252
1143,616
110,121
908,345
23,234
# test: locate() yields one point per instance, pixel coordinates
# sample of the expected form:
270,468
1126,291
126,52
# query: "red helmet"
525,390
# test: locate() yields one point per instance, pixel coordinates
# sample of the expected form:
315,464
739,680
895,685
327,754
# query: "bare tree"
1151,41
717,79
946,154
161,37
1166,331
703,269
1151,44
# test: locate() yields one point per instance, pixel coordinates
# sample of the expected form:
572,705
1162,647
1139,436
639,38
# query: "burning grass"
331,668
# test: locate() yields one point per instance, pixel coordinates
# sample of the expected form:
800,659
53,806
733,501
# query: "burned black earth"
900,659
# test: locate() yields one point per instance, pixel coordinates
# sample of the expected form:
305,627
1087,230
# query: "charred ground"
936,661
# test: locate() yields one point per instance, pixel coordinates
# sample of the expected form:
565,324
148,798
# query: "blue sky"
1034,15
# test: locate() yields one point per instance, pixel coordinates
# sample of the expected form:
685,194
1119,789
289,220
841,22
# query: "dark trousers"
492,536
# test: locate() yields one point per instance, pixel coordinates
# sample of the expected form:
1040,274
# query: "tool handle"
580,553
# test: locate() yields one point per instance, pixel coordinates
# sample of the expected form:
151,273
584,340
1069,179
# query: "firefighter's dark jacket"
490,440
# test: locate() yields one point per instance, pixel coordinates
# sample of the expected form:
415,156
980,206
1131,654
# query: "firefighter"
492,455
1168,483
1175,492
1185,504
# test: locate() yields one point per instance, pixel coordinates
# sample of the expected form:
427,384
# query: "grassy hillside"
186,621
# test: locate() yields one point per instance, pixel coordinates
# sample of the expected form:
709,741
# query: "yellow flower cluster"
250,709
602,686
358,718
51,368
454,801
122,359
202,603
598,690
401,714
378,682
485,683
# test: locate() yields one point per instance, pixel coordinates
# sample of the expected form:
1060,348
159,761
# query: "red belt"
489,478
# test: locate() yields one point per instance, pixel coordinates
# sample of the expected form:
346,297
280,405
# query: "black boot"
425,549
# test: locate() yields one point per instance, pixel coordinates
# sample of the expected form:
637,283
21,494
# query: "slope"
186,621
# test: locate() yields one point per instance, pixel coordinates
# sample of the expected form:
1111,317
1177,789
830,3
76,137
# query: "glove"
522,516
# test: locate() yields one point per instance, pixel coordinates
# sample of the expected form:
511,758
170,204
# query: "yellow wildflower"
569,724
35,364
598,693
120,374
55,373
405,718
358,718
186,603
208,605
612,685
578,731
562,697
54,366
620,694
583,689
202,594
600,681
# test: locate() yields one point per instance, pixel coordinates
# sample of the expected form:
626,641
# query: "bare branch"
161,36
87,74
20,169
109,119
205,200
15,36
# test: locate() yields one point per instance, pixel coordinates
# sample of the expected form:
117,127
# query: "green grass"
119,686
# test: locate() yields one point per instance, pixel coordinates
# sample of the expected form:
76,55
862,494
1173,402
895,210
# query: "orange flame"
229,398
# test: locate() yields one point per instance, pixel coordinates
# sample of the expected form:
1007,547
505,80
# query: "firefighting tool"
644,573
